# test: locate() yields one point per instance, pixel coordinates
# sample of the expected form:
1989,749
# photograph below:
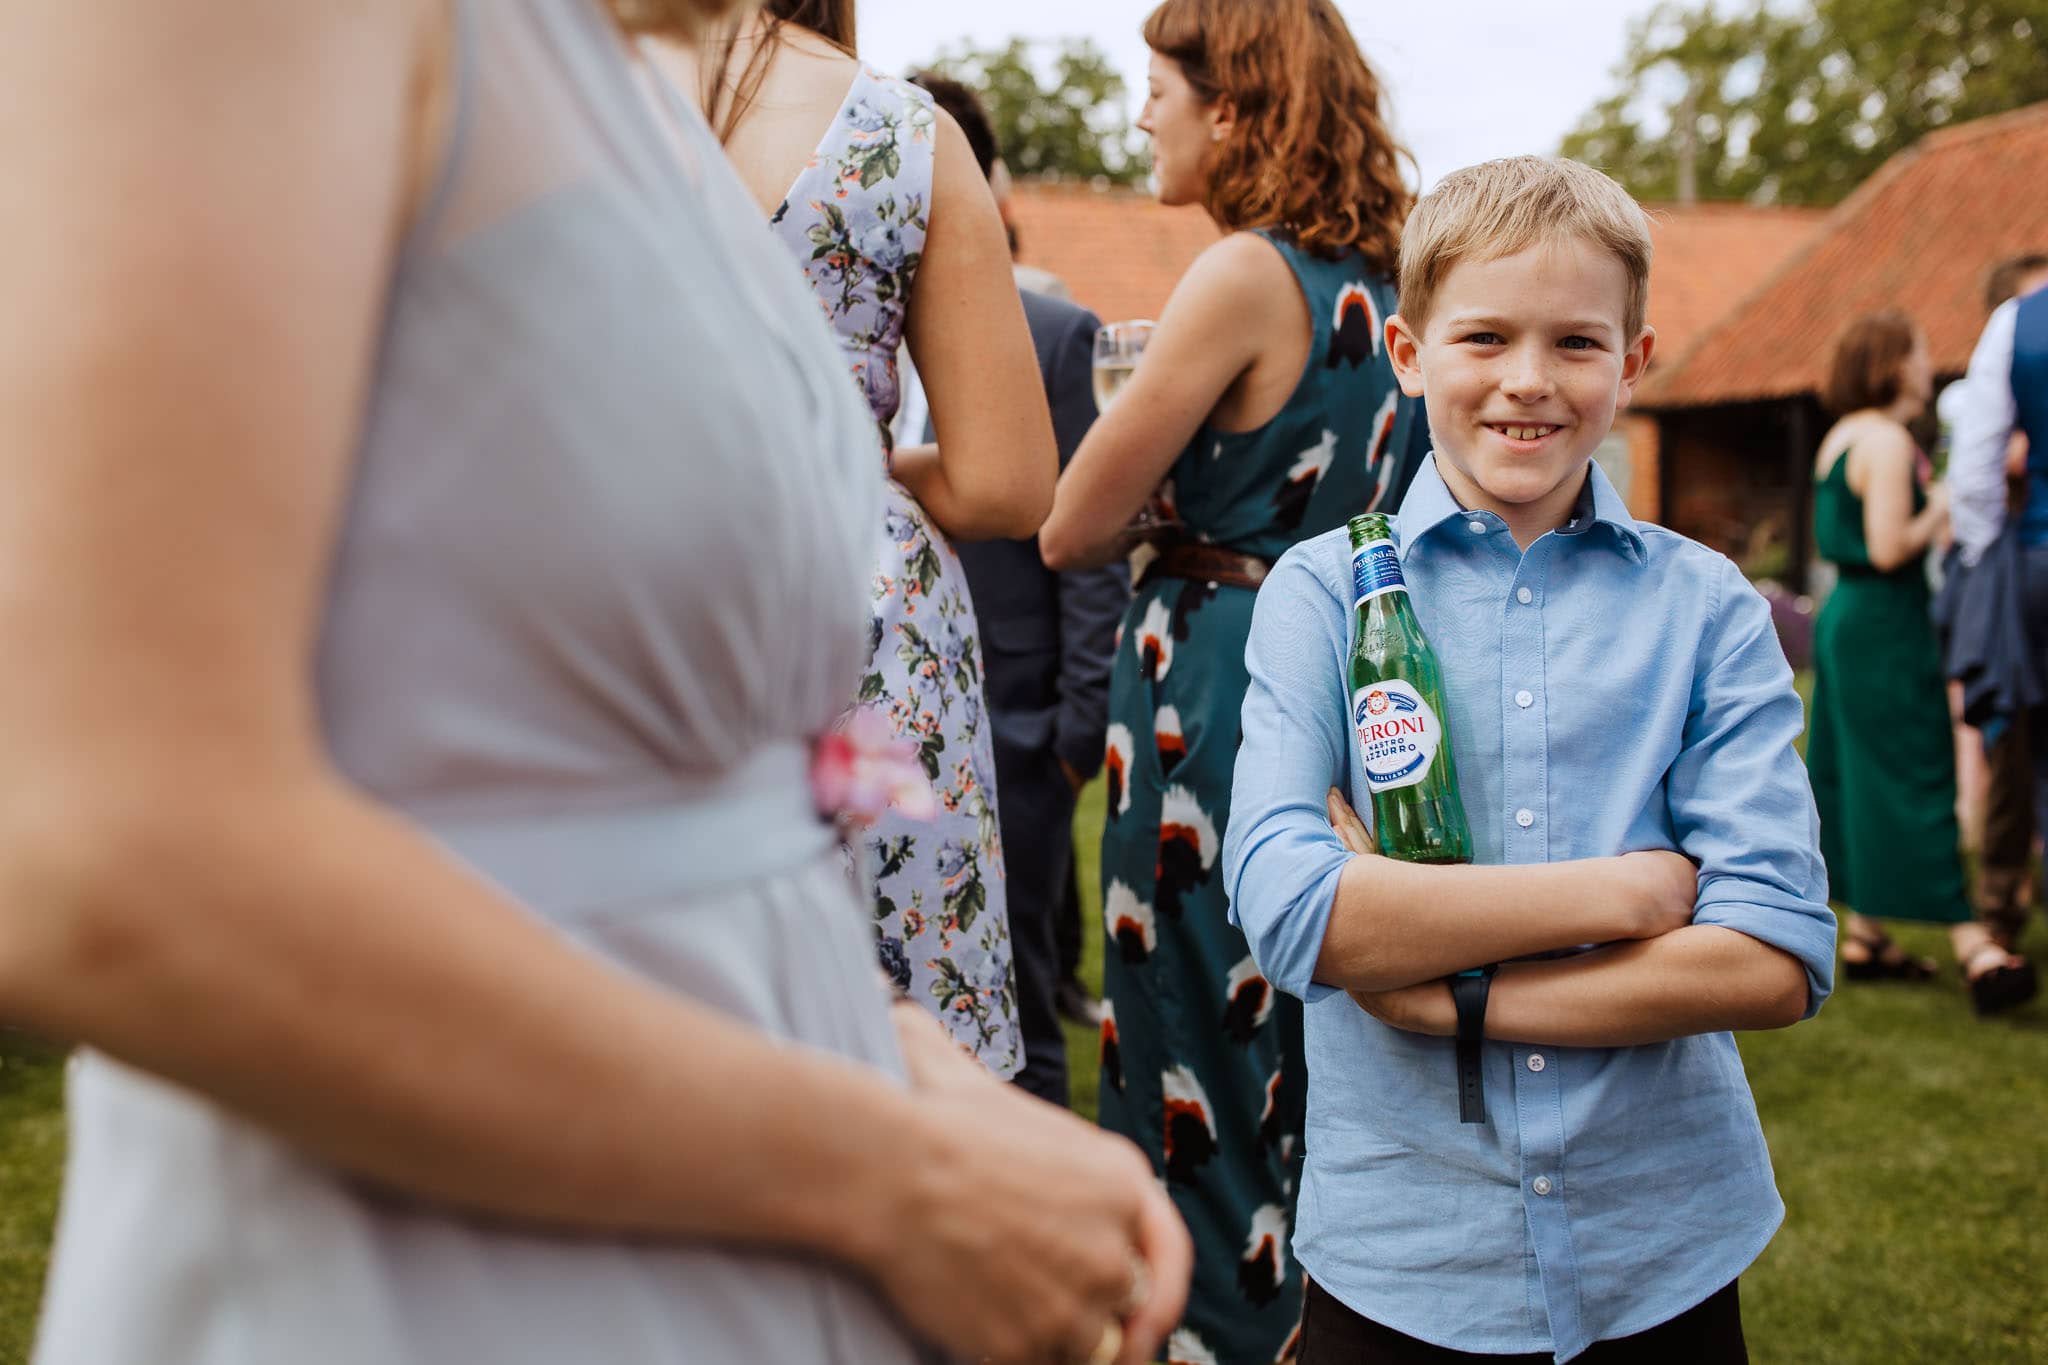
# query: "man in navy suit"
1047,643
2005,393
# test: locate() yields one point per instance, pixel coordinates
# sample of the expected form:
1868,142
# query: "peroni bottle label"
1375,572
1398,734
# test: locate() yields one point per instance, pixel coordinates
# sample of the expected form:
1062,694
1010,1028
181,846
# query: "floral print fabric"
855,219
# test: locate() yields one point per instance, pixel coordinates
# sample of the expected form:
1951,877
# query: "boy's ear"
1633,363
1404,353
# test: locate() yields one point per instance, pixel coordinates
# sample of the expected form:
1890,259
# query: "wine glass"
1117,348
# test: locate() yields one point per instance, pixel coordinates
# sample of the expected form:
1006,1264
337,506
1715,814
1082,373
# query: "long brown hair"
1310,153
726,101
1869,366
680,18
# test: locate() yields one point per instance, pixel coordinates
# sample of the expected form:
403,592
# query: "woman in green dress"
1880,751
1263,413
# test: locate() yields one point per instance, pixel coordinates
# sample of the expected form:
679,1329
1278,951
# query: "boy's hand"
1663,887
1426,1008
1349,828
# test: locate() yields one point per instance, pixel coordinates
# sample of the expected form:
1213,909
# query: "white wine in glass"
1118,345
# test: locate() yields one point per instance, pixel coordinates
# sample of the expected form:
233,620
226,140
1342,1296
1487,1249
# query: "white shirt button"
1477,528
1525,699
1525,817
1536,1062
1541,1184
1524,596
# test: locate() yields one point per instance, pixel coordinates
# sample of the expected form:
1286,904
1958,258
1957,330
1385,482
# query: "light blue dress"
579,632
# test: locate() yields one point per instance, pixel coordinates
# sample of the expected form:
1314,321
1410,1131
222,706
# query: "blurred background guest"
879,198
2004,888
1036,279
1046,644
1878,751
418,840
1262,412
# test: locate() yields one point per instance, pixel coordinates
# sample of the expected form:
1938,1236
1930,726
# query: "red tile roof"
1919,235
1121,252
1708,255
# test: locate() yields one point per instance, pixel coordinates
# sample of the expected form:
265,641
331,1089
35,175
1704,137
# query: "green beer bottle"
1397,711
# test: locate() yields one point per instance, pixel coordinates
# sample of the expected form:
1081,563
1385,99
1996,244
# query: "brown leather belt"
1208,564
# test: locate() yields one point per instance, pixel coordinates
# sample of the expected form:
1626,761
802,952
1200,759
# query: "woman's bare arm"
991,473
1237,301
1881,462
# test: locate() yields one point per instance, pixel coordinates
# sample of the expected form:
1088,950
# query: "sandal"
2007,986
2005,902
2007,923
1887,961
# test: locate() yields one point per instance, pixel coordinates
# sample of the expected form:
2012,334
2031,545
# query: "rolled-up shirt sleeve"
1281,859
1982,411
1741,805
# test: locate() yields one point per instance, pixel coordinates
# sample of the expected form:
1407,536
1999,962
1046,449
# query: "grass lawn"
1911,1143
31,1151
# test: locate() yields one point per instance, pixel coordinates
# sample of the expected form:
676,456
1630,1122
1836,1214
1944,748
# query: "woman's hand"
1937,503
932,1059
1022,1234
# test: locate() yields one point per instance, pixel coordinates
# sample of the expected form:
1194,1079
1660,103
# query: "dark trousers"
2035,734
1038,879
1709,1333
2008,848
1066,928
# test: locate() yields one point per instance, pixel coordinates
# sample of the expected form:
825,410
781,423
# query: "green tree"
1799,106
1074,124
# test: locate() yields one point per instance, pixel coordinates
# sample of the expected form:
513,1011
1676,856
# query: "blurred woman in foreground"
406,719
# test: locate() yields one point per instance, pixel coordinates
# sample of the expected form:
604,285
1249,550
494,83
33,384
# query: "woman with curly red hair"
1263,413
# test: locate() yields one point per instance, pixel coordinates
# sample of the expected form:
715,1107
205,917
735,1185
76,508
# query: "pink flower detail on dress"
862,769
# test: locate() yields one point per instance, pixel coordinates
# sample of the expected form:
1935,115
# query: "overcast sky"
1469,79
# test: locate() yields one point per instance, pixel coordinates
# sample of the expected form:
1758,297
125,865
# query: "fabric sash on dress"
674,842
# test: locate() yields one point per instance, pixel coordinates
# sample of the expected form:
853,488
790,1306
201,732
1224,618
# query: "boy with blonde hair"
1622,720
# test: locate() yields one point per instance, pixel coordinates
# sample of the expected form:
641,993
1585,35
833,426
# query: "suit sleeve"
1092,601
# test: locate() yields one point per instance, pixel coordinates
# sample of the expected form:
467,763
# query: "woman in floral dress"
898,235
1263,413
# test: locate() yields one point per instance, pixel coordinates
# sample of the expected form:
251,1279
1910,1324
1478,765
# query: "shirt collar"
1429,505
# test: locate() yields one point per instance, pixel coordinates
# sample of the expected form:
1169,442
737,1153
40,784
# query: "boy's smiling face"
1524,362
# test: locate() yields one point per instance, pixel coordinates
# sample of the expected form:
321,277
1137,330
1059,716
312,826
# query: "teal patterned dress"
1201,1058
855,220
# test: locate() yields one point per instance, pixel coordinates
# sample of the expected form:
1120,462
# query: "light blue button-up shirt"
1615,687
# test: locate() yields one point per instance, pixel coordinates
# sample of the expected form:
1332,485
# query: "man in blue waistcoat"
2006,392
